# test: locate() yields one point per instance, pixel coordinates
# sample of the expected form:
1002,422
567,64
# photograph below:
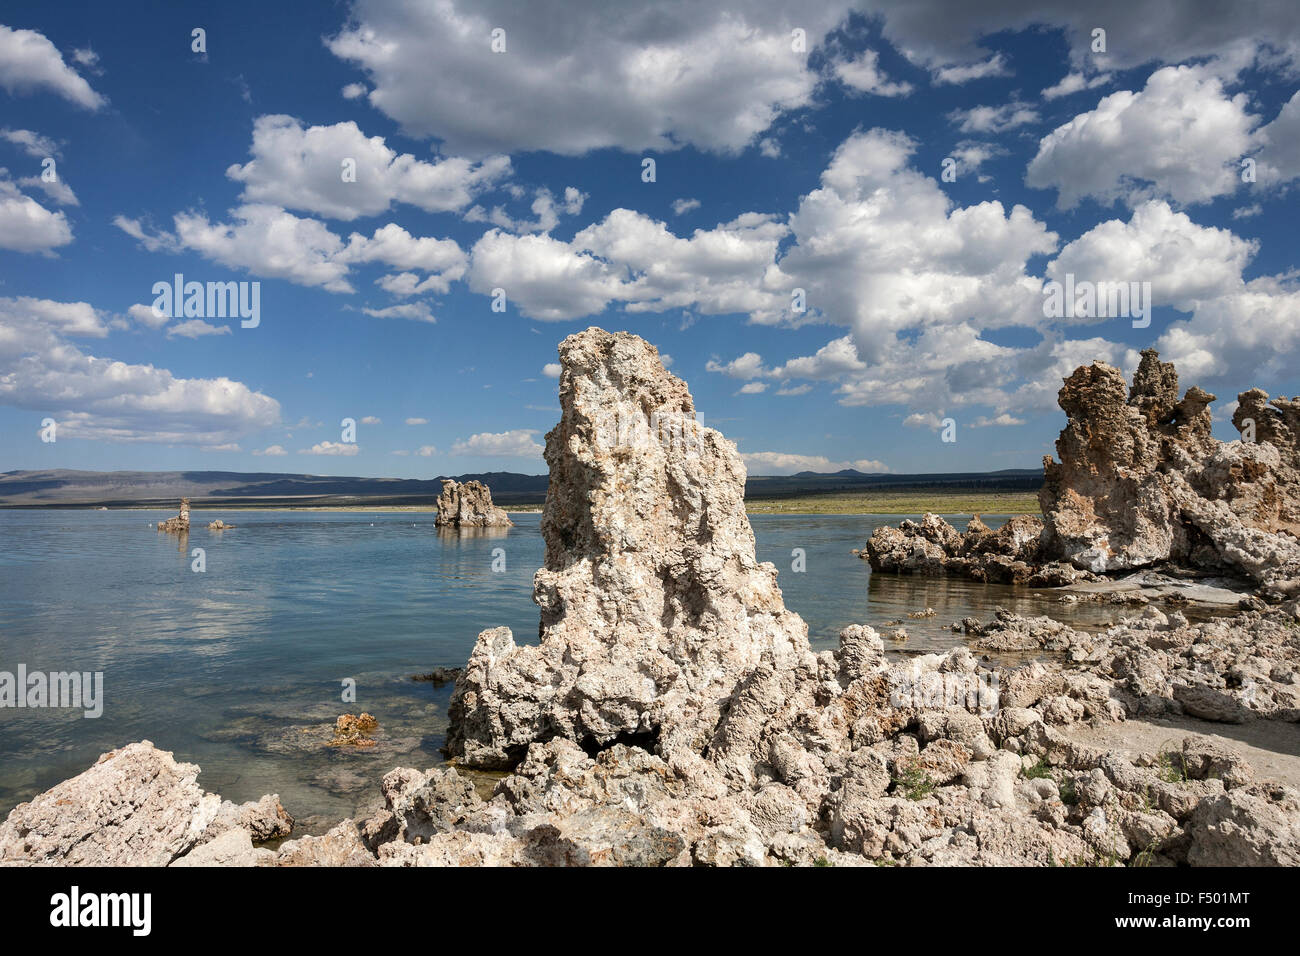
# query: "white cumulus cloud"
347,449
517,443
26,225
1181,137
29,63
301,168
862,74
711,75
43,370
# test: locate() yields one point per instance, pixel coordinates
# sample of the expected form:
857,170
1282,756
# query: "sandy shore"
1272,748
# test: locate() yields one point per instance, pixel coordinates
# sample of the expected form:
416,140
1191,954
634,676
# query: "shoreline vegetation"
899,503
883,502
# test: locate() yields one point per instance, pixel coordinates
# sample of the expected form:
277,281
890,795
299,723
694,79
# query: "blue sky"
776,168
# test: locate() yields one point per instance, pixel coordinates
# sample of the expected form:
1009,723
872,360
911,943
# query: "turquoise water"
240,668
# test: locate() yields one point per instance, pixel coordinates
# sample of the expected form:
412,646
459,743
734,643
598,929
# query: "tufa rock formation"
653,606
1110,503
1141,482
1267,490
673,714
181,523
469,505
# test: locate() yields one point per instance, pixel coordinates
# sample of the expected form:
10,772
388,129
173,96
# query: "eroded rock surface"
673,713
1013,554
352,730
1153,664
135,807
653,606
1140,483
469,505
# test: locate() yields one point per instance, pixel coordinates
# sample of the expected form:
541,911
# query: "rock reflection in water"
451,535
238,669
892,597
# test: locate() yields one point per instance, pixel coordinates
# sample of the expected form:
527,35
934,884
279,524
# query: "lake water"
240,668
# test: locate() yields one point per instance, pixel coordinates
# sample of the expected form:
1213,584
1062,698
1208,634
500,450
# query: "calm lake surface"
240,668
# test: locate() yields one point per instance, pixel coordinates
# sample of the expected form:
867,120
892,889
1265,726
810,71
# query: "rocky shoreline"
673,712
1141,484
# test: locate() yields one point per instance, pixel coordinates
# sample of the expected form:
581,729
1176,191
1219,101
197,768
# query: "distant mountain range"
68,488
759,487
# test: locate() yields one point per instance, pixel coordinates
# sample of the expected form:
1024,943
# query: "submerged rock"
440,676
350,731
469,505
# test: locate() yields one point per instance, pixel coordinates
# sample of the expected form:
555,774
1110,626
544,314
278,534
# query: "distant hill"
842,473
759,487
60,488
63,487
